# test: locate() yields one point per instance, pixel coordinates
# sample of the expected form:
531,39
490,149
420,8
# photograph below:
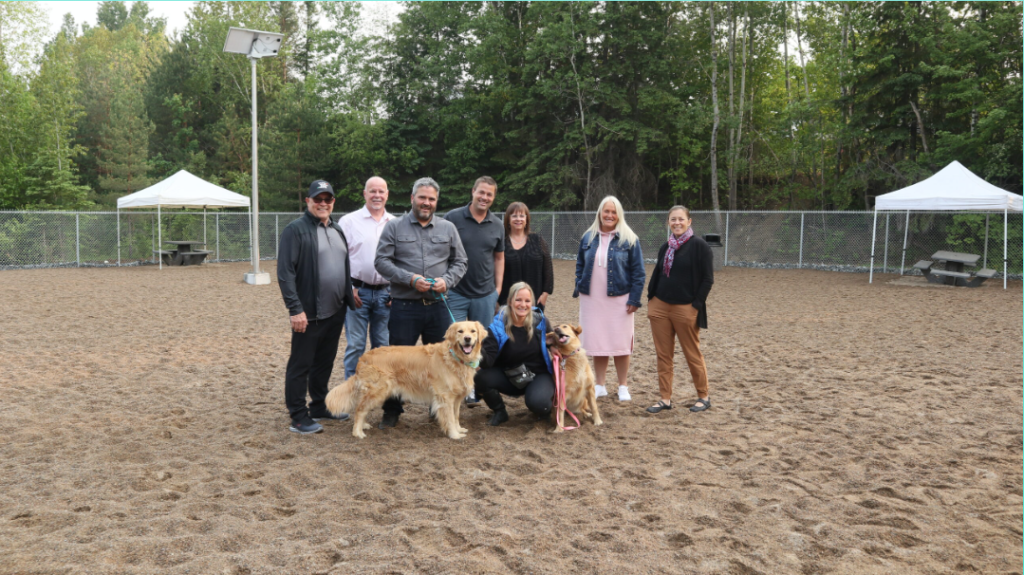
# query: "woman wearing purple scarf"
677,296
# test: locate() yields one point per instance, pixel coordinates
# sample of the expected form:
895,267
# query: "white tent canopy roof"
183,190
951,188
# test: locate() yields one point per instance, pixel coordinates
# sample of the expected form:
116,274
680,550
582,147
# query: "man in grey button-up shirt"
422,257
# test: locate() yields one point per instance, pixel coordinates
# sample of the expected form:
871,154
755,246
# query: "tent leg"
885,259
160,237
906,228
118,237
1006,221
984,262
204,227
874,225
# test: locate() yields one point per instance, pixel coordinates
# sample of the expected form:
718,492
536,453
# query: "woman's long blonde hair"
626,233
507,310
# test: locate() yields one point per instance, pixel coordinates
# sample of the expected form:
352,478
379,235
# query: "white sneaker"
600,391
624,393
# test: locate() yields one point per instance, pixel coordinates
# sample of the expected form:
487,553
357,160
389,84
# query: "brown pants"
668,322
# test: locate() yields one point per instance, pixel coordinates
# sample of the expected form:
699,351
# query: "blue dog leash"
444,300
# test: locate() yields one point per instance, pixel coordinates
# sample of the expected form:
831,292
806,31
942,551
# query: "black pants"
491,383
412,320
310,365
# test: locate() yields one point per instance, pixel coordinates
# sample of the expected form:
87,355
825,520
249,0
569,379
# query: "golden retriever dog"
580,395
438,374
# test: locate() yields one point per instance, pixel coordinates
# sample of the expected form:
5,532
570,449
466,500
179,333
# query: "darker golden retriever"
580,395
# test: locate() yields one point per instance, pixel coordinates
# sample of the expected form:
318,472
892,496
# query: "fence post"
78,240
277,237
725,256
553,216
801,263
216,223
906,229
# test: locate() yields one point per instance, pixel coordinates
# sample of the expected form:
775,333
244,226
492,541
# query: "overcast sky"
175,12
86,12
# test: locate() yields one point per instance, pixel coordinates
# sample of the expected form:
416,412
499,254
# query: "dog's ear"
481,333
577,329
550,337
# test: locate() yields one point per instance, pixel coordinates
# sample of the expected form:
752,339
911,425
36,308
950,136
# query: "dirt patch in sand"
855,429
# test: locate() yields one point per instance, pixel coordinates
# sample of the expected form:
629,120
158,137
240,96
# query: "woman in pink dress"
609,282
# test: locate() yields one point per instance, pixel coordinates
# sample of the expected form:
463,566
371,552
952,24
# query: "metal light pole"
255,45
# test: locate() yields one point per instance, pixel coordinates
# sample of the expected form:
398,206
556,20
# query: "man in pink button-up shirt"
372,292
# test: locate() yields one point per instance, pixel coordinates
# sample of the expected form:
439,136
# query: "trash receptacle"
717,250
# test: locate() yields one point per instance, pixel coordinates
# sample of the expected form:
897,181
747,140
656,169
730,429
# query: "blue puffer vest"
540,324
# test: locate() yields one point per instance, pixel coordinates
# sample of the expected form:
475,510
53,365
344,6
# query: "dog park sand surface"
855,428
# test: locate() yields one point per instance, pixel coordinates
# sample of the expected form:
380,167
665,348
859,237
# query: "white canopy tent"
953,188
182,190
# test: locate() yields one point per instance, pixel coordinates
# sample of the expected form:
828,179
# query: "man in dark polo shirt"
483,237
313,272
421,256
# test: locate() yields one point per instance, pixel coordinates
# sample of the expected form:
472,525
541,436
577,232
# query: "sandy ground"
855,429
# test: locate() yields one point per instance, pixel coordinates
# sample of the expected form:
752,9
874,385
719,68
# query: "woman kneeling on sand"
677,295
516,360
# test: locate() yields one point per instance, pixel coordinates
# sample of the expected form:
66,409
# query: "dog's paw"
457,435
366,426
463,430
556,430
598,421
358,433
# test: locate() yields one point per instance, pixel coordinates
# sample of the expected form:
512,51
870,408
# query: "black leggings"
491,383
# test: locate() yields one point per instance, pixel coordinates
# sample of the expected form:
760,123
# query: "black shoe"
305,426
701,405
389,420
329,415
500,416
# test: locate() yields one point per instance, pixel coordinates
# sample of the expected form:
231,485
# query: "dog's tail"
341,399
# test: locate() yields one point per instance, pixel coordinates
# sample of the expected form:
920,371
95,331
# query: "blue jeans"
412,320
479,309
373,315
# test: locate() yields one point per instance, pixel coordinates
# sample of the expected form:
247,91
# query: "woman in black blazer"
677,306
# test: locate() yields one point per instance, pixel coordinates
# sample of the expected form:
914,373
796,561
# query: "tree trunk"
714,125
800,49
920,125
731,134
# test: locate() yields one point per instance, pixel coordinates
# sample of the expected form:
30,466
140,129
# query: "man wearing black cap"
314,274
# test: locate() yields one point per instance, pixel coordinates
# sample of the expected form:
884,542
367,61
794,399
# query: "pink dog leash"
560,392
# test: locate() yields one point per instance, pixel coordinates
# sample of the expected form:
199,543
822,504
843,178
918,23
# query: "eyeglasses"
323,200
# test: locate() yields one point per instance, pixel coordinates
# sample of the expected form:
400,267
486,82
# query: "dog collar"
473,364
574,353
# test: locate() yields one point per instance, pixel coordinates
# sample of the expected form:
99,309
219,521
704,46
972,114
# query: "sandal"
701,405
659,406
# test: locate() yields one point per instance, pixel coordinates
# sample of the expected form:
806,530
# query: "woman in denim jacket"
610,260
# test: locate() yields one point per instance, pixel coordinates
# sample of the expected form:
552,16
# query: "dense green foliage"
815,105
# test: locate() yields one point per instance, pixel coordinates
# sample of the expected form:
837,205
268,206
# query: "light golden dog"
580,395
438,374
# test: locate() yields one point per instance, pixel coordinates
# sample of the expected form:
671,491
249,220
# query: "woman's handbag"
520,376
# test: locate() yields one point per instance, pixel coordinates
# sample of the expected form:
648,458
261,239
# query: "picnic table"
952,272
184,255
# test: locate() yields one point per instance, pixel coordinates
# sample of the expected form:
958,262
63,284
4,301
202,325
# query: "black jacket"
297,263
690,279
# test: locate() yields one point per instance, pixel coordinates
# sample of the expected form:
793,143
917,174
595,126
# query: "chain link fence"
835,241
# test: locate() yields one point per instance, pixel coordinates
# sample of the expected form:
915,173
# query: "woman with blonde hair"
677,306
609,282
515,358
